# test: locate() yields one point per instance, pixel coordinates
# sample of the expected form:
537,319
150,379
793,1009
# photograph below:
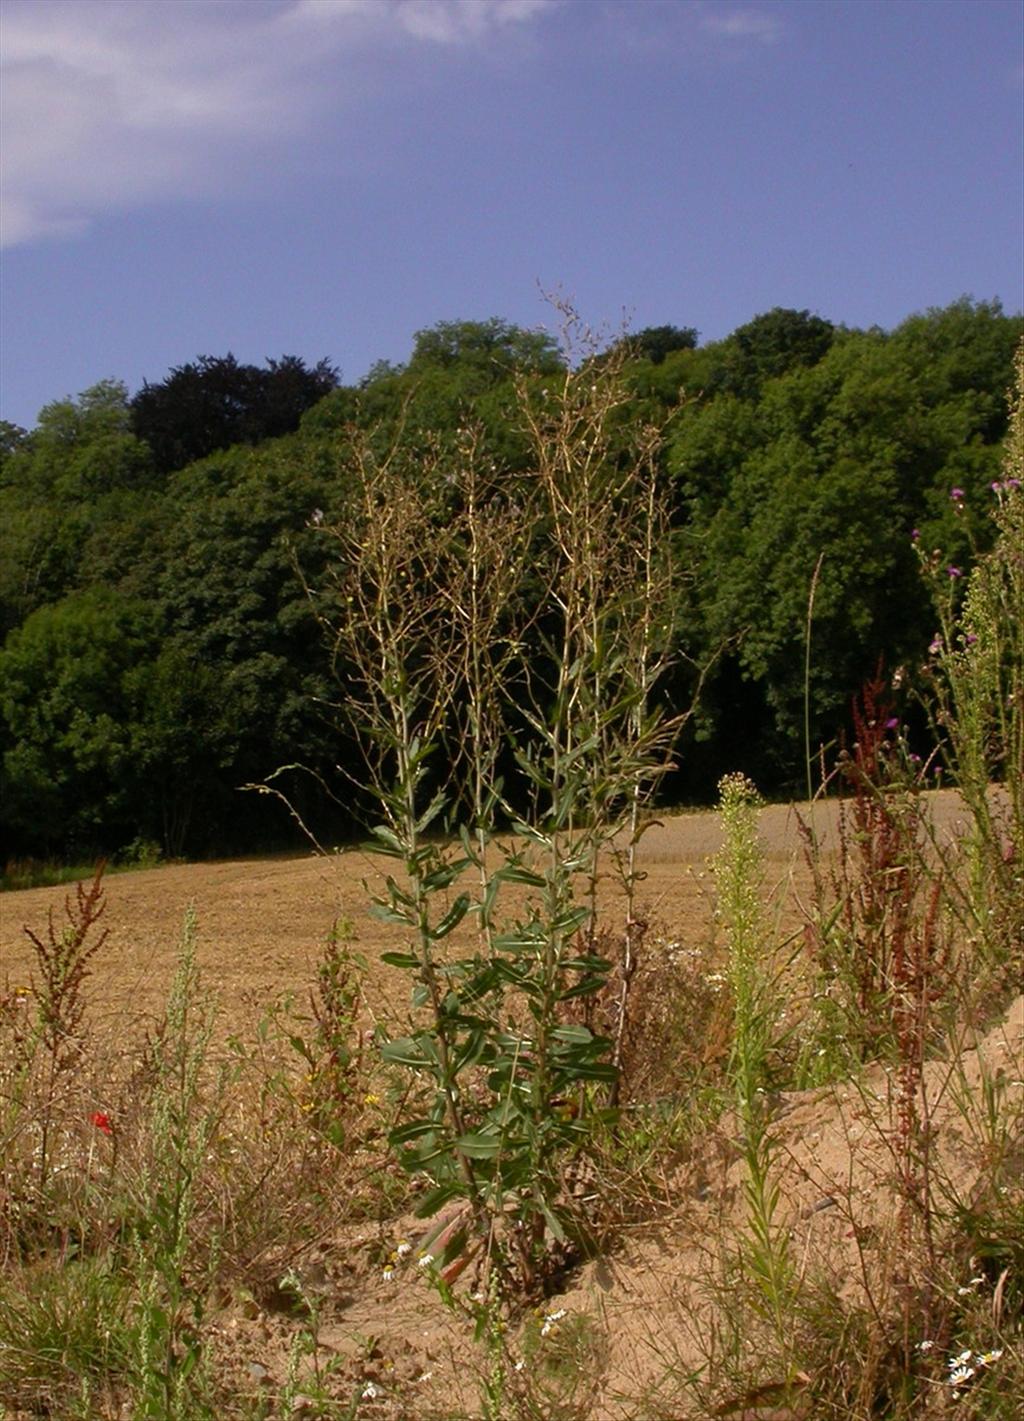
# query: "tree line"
161,554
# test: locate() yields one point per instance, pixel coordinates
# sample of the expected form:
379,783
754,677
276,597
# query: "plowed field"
260,923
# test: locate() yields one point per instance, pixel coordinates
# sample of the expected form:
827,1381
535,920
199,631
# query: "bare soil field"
261,922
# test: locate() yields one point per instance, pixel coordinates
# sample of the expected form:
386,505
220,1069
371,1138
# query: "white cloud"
462,20
110,103
445,21
742,25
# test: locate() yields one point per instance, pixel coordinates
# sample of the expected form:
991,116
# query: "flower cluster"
397,1255
965,1366
550,1322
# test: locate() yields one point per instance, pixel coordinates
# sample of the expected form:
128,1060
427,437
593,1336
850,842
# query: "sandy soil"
635,1321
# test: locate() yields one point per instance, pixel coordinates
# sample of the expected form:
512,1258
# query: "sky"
323,178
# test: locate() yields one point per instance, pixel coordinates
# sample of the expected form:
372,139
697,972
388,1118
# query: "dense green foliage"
162,649
215,403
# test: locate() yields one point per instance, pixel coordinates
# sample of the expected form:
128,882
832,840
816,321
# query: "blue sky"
324,177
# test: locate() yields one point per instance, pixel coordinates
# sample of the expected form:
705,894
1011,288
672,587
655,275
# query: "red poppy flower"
101,1120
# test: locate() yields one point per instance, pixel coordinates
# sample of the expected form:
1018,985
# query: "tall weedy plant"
739,880
608,639
391,589
57,1040
446,662
172,1279
976,698
598,745
879,939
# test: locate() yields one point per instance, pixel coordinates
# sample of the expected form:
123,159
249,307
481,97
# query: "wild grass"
49,873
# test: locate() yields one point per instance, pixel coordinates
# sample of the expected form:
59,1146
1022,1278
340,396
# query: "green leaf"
575,1035
572,920
415,1131
478,1145
424,1160
552,1221
453,1248
400,959
444,875
513,1042
397,894
580,751
334,1133
587,963
435,1199
405,1051
472,1051
387,843
490,897
517,976
481,983
419,751
432,811
516,873
590,1071
520,939
582,989
452,918
392,915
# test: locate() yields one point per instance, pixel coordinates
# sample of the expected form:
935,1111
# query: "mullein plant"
430,629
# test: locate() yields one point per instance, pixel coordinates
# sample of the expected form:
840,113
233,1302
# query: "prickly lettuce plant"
430,632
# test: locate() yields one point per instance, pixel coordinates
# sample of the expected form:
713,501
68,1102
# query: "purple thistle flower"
953,571
956,494
936,646
1012,483
892,723
996,486
915,533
